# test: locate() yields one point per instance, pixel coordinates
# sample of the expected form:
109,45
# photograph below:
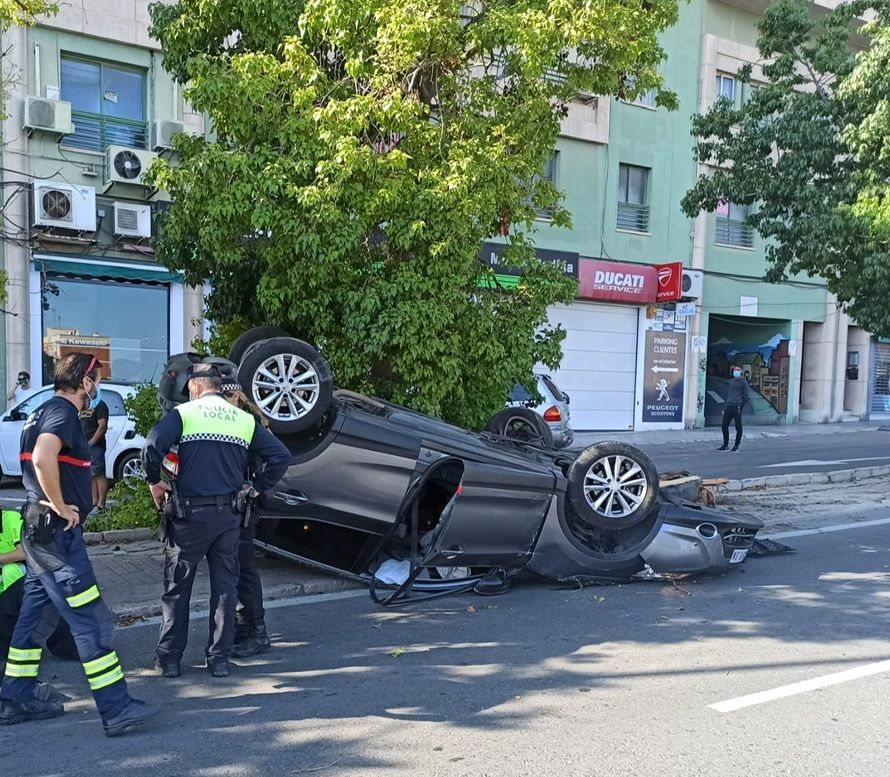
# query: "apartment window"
633,198
547,174
731,229
646,100
107,104
726,87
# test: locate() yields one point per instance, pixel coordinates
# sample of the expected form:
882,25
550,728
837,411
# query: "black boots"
256,642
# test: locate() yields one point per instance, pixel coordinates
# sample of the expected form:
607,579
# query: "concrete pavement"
618,680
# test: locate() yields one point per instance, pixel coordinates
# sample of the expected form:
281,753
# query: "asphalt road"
774,455
597,682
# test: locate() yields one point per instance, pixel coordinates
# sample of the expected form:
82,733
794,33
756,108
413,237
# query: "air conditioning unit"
164,130
692,283
63,205
132,219
126,165
48,116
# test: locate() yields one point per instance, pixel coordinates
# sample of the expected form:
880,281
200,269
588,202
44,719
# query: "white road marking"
269,605
802,687
827,529
821,462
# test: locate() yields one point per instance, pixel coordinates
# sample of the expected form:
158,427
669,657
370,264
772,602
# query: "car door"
494,518
11,430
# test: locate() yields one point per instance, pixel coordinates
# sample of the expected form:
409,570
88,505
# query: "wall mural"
765,363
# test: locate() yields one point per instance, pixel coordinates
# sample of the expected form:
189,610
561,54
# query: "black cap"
202,370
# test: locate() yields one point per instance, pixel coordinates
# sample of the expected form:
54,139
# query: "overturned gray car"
373,486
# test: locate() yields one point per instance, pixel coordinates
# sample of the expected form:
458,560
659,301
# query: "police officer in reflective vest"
55,460
214,442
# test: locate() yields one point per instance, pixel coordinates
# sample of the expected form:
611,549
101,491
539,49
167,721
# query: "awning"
81,267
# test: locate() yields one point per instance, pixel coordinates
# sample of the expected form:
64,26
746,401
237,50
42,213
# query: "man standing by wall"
215,440
737,396
55,471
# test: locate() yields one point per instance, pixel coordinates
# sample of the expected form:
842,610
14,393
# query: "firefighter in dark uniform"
214,442
55,460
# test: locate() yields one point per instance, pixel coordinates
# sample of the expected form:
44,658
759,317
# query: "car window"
33,402
519,393
114,401
552,387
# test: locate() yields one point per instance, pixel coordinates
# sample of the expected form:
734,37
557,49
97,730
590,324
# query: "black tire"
520,423
612,485
292,405
123,467
251,337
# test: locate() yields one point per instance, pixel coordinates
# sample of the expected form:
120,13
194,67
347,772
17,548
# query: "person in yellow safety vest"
12,575
214,441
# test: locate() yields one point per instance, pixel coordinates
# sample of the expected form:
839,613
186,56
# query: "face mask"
93,397
736,374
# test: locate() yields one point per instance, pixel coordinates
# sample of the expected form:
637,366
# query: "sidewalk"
130,577
712,433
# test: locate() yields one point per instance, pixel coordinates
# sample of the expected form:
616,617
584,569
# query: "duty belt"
224,500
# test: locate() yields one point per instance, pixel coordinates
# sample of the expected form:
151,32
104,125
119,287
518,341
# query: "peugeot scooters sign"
664,364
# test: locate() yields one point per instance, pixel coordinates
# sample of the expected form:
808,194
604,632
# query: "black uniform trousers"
732,413
210,530
250,587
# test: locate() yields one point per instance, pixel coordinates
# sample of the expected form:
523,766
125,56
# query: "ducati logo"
664,276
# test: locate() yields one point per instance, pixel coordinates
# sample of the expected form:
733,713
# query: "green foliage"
809,151
222,335
130,506
365,150
143,407
4,279
25,13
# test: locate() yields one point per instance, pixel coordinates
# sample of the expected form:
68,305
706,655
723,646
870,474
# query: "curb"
130,613
117,535
807,478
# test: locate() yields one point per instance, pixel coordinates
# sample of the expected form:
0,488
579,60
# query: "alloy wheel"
615,486
285,387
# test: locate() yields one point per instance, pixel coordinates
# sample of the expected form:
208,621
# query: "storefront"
130,315
624,356
879,389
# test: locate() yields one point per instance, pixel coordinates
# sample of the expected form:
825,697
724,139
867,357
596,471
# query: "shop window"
125,325
731,228
633,198
107,105
725,87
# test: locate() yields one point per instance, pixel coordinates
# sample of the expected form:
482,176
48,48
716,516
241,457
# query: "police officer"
214,442
251,636
55,460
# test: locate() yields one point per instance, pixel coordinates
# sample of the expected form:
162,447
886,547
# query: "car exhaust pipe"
707,531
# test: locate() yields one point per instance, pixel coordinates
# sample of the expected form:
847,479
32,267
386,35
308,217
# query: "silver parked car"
553,407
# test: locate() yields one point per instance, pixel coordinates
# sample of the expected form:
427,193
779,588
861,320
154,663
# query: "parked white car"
123,444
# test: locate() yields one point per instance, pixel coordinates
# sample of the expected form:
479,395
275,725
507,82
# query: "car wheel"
289,381
129,467
612,485
520,423
243,342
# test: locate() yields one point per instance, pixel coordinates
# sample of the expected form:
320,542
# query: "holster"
39,523
166,519
37,542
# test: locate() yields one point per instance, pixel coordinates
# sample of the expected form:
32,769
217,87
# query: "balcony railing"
733,232
634,218
93,132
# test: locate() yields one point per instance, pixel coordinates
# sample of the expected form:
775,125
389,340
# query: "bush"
130,506
143,407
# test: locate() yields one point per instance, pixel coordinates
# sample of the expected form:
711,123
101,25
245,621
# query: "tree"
365,150
800,150
24,13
